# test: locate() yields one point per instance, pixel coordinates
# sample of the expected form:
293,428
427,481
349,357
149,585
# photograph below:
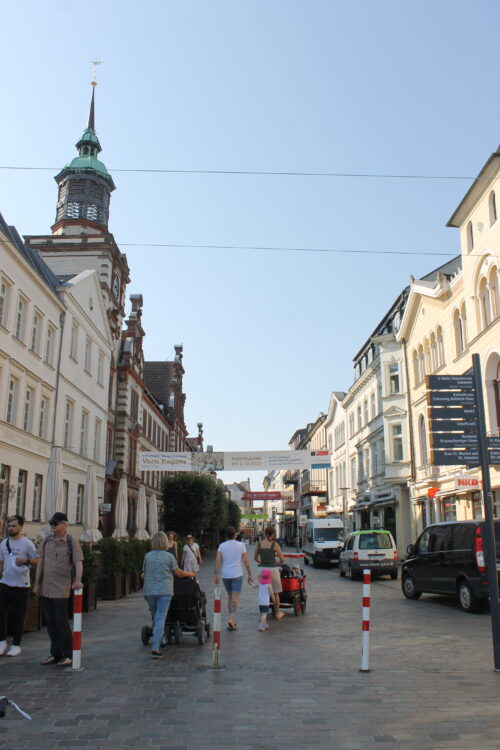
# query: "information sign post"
491,558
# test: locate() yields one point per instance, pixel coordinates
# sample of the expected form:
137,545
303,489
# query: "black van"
448,558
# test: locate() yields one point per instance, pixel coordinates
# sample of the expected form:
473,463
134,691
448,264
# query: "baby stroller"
293,583
186,614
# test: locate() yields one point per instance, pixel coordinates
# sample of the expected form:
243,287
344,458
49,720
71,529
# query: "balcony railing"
291,477
313,488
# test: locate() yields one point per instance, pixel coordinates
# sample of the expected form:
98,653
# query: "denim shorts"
233,585
264,608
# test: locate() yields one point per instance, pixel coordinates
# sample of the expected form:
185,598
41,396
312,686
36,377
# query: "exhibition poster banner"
243,460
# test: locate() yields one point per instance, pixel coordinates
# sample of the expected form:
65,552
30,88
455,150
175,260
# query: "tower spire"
91,122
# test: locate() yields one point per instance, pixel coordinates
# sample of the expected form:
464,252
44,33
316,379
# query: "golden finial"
95,63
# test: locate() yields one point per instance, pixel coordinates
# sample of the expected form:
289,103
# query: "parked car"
322,540
374,549
448,558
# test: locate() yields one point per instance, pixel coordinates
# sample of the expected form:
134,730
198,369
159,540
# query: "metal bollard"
216,633
365,627
77,628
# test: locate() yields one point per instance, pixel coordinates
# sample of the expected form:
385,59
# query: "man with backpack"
17,553
59,570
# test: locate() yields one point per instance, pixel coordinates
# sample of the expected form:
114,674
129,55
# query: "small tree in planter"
111,568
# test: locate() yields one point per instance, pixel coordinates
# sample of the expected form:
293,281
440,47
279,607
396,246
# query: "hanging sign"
224,461
452,398
455,457
450,381
454,440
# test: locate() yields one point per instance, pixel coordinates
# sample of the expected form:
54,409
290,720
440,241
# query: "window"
359,418
83,432
470,237
12,401
416,367
366,416
374,460
354,481
68,423
100,369
21,493
421,362
397,442
171,401
373,400
4,303
134,405
493,284
440,346
394,379
80,491
427,356
73,347
477,506
459,333
65,496
484,303
450,508
37,497
28,410
492,206
88,355
20,316
351,424
422,439
35,333
97,440
49,345
42,417
434,352
132,456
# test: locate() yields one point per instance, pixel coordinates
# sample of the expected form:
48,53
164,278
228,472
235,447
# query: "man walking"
59,570
17,553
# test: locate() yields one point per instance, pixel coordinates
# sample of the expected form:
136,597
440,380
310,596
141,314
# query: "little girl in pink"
264,594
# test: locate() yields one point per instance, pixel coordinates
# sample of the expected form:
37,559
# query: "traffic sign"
455,458
451,398
453,412
452,440
448,425
450,381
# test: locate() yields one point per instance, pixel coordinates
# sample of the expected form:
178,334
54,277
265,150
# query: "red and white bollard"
365,627
216,633
77,628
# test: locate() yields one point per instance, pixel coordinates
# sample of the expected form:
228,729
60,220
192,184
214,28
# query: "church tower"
85,186
80,238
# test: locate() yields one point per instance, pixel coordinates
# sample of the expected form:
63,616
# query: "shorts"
263,609
233,585
276,580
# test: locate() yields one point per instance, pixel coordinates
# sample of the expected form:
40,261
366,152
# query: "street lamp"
344,491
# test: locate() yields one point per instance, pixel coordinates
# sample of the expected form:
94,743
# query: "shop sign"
463,482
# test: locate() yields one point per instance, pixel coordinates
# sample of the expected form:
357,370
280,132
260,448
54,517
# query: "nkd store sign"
223,461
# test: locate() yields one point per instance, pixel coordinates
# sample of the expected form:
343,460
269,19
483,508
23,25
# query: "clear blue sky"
317,86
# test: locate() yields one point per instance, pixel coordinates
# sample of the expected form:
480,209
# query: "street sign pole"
491,558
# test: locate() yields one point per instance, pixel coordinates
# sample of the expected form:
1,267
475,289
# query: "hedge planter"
126,584
90,596
109,588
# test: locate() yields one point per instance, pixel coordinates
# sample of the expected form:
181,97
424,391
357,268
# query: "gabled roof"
480,184
32,257
158,378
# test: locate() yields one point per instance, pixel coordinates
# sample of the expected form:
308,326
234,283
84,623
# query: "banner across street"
233,461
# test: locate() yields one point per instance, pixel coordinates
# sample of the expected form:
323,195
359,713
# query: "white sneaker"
3,647
14,651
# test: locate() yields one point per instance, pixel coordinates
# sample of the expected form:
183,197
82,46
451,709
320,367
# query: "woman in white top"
191,557
231,556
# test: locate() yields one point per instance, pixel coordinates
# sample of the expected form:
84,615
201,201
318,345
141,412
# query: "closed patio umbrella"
121,510
153,515
90,508
54,485
140,514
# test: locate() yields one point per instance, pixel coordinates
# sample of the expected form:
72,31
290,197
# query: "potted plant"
111,568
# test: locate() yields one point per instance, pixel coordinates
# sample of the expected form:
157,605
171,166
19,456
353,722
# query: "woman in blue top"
157,570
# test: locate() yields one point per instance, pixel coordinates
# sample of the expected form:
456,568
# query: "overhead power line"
286,249
263,173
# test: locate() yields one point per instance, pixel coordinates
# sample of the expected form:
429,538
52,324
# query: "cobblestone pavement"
432,683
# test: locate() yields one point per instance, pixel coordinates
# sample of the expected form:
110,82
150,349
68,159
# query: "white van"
322,540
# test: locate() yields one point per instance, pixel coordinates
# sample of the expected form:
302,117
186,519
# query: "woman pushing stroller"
266,553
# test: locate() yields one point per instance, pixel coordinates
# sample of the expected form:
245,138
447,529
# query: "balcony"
313,488
291,477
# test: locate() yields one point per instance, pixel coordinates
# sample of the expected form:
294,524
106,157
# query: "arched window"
422,439
421,360
416,369
492,379
427,354
459,333
484,303
492,205
434,353
470,237
493,284
440,346
463,315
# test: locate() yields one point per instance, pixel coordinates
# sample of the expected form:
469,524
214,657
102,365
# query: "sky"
323,86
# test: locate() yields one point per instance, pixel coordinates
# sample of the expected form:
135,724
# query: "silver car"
372,549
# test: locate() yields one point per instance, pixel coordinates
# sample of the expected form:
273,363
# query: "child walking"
264,594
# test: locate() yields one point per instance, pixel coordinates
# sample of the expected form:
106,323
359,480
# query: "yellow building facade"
446,321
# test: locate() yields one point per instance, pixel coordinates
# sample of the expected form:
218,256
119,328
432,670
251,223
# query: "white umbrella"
121,509
90,508
53,484
140,514
153,515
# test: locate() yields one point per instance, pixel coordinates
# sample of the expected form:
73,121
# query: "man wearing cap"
59,570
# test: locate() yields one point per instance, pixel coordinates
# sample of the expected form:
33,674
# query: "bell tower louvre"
80,238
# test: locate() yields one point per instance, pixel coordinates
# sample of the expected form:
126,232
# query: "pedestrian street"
431,683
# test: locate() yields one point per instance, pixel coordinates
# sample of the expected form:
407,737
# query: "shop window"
450,508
